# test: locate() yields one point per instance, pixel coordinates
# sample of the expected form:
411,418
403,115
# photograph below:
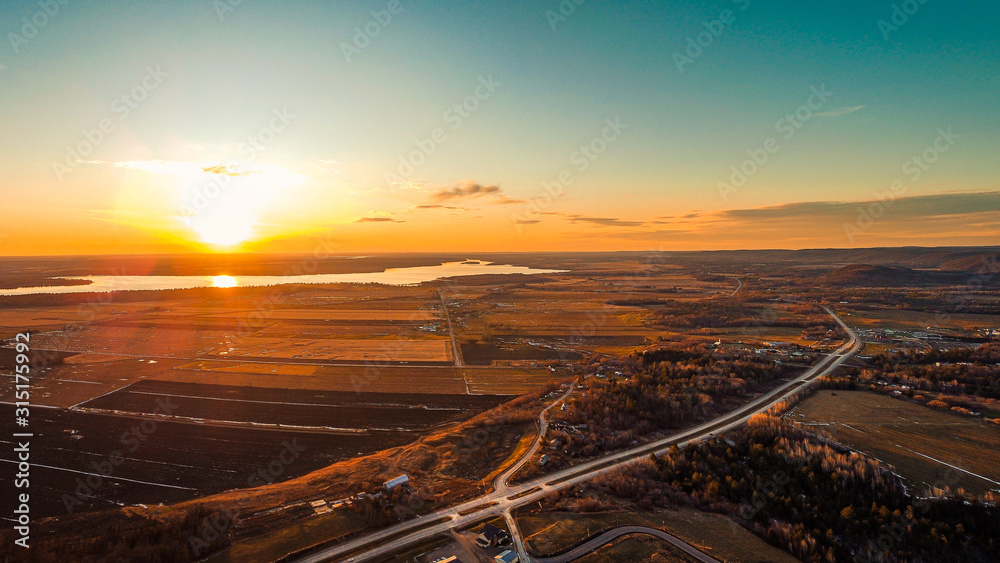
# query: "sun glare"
221,205
230,205
223,281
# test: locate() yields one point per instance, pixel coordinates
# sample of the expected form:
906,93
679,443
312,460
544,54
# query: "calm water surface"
391,276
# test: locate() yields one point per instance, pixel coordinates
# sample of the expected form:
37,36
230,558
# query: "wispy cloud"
840,112
505,200
465,190
602,221
912,207
379,217
378,220
965,218
468,191
439,206
605,221
226,170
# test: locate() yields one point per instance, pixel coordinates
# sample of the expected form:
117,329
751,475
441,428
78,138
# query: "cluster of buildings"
778,349
491,537
922,339
387,487
322,506
505,557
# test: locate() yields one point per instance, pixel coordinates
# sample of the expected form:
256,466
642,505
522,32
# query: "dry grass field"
66,385
303,342
900,319
637,548
924,445
135,341
281,542
336,314
554,532
374,350
371,378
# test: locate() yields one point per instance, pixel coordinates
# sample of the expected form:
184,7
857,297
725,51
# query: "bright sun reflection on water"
223,281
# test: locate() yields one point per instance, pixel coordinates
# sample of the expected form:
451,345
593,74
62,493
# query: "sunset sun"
223,281
219,204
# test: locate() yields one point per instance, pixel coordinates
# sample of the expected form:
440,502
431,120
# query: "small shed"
397,482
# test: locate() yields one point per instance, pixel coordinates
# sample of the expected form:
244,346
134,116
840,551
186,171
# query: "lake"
390,276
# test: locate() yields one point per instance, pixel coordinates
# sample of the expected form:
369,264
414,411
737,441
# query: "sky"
385,126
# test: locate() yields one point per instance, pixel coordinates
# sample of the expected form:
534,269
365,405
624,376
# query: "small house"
507,557
492,536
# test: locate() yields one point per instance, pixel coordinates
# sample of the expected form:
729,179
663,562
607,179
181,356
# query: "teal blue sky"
557,80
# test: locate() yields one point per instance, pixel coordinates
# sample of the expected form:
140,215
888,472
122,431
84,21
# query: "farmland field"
345,369
427,352
163,460
919,320
925,445
331,410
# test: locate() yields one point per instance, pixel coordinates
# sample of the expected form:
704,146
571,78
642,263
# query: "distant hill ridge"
889,276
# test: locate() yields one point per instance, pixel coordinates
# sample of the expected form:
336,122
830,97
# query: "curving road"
591,545
386,540
739,286
500,483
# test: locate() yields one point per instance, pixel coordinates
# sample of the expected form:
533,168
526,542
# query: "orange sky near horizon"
486,127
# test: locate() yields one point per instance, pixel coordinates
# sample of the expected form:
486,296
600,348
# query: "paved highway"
386,540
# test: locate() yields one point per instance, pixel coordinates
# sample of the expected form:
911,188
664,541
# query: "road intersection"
507,497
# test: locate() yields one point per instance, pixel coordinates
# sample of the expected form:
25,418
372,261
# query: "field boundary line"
956,467
110,477
115,390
